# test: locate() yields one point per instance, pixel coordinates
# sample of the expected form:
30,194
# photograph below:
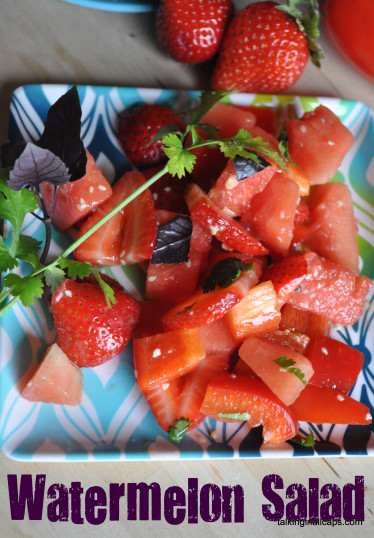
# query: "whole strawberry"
266,47
191,30
137,125
88,331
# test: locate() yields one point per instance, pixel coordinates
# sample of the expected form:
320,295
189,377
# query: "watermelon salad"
248,267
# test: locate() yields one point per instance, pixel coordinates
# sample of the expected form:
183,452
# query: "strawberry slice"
223,227
163,400
129,236
140,224
202,308
88,331
302,212
286,276
167,191
196,382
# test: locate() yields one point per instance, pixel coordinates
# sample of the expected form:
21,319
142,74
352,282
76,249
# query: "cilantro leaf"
7,261
179,428
224,273
180,159
106,289
242,144
235,416
287,365
304,441
75,269
26,245
54,276
14,206
27,288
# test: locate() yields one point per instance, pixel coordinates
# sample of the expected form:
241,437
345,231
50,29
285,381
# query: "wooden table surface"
53,41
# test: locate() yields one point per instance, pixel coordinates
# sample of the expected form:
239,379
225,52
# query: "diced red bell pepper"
335,364
165,356
234,398
322,405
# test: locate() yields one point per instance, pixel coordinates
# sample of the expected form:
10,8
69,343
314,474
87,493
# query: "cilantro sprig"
178,429
287,365
20,192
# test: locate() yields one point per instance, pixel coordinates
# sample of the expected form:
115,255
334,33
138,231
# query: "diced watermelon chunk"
260,355
233,196
318,142
332,225
265,116
57,380
229,119
331,291
272,213
217,337
303,322
76,199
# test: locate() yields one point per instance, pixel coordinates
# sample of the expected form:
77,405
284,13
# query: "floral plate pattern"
114,421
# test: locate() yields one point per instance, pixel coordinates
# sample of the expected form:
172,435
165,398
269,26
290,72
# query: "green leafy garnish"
106,289
235,416
225,272
179,428
287,365
74,268
283,146
26,288
304,441
14,206
180,159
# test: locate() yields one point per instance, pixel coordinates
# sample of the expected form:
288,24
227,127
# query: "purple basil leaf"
62,133
36,165
246,167
173,241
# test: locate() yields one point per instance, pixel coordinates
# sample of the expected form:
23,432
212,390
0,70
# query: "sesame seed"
91,189
156,353
102,188
324,351
151,278
340,397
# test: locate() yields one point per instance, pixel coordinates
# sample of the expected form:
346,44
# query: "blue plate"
131,6
114,420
